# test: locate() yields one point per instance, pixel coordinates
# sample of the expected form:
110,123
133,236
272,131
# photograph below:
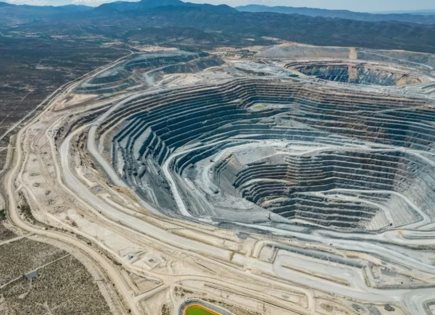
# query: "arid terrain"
162,157
212,178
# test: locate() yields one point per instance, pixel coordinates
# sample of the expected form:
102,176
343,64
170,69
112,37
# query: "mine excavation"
359,73
269,180
247,149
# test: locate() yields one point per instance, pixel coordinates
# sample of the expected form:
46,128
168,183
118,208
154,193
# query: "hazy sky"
356,5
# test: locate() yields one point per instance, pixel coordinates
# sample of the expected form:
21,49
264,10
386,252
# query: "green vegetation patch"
198,310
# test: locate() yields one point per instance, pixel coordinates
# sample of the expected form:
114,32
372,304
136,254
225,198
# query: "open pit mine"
266,180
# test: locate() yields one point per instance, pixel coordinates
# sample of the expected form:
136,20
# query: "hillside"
196,25
343,14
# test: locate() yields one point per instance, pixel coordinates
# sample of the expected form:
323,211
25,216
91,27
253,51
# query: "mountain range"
205,25
146,5
414,17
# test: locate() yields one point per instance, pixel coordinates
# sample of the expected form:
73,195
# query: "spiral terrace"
242,149
244,183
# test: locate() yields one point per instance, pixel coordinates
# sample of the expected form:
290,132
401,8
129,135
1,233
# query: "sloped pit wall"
164,137
130,74
357,73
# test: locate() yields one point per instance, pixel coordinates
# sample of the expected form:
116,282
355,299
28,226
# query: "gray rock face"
357,73
278,153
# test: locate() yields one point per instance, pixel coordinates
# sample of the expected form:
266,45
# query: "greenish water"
197,310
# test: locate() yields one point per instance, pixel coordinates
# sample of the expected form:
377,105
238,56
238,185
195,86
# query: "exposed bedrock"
279,154
358,73
142,70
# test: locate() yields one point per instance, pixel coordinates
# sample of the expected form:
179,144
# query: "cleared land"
33,67
287,179
232,179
